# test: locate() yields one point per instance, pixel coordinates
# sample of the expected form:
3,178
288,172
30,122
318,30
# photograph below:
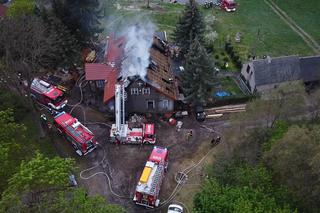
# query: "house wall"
247,72
263,89
140,100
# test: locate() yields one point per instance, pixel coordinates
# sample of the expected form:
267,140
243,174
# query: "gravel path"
309,40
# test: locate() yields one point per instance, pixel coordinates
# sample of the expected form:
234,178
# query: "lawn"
43,145
305,13
262,31
228,85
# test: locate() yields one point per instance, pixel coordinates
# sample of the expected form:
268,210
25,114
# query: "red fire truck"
47,94
81,137
148,188
121,132
228,5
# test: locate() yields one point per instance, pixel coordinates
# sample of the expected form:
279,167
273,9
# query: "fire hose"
102,173
180,181
79,83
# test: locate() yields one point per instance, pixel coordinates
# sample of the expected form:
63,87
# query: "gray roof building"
263,74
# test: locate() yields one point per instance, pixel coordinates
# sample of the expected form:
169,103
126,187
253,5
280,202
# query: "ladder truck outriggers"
121,132
81,138
148,188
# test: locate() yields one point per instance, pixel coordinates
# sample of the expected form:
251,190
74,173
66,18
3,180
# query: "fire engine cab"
81,137
228,5
148,188
121,132
47,94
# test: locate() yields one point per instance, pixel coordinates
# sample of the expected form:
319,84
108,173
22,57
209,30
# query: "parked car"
175,208
200,113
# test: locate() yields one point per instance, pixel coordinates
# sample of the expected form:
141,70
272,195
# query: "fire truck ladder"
157,179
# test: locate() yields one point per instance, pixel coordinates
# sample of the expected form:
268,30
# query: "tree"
77,200
197,79
68,50
11,139
34,180
281,103
295,163
217,198
314,101
21,7
28,49
190,26
82,17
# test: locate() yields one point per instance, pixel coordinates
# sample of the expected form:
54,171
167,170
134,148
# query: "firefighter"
189,135
215,141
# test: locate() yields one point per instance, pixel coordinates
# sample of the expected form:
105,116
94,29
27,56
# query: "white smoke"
139,39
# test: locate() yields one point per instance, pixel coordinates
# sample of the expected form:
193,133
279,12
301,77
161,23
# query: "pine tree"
197,78
82,17
190,25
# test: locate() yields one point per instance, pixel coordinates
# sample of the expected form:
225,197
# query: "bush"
217,56
15,102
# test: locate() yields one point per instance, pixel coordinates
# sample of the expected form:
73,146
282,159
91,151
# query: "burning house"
142,63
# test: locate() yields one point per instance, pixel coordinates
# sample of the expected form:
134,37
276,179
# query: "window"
165,104
134,91
248,69
146,91
150,104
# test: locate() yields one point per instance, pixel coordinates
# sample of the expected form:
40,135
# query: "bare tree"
26,49
281,103
314,104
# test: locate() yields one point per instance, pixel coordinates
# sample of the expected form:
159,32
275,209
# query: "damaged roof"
110,68
158,76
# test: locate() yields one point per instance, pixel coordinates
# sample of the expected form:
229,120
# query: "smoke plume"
138,42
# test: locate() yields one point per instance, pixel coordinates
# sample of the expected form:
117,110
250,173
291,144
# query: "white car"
174,208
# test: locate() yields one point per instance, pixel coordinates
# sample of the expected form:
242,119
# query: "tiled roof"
96,71
276,70
310,68
109,86
110,69
286,68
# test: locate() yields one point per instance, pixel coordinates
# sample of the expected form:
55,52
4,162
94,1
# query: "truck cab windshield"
58,99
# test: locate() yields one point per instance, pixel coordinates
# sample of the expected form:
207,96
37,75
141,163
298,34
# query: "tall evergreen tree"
190,26
82,17
197,78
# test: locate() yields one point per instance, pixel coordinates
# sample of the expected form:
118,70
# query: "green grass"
262,31
220,57
228,85
305,13
33,142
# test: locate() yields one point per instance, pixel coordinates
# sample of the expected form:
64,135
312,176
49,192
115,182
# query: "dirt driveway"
124,163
